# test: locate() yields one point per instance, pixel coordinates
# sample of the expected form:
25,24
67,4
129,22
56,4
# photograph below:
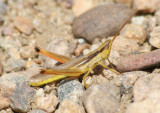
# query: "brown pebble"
24,25
139,61
80,48
102,21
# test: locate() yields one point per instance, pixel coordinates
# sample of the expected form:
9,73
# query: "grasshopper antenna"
124,24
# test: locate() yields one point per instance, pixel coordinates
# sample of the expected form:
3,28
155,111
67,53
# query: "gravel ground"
74,28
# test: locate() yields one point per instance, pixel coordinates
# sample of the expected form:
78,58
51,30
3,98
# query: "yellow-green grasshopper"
73,68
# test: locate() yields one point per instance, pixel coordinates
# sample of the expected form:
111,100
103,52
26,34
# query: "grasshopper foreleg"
110,63
100,63
84,78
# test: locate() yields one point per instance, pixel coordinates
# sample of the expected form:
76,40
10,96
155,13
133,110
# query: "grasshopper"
73,68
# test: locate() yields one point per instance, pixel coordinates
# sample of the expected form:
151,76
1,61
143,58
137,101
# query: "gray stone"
21,98
70,90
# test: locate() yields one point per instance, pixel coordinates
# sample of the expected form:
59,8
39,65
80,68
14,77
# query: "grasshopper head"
105,49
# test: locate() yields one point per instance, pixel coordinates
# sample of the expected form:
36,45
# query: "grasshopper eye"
107,45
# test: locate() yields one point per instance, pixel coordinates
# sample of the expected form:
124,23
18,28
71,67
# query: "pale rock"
13,52
24,25
102,98
40,93
9,110
113,57
27,52
140,20
155,37
124,45
145,48
47,103
146,95
146,87
98,79
145,106
68,106
135,32
151,23
147,6
81,6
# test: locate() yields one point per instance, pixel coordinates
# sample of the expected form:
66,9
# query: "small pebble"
7,31
40,93
157,15
68,106
101,21
140,20
28,52
139,61
5,102
146,6
126,2
14,65
47,103
11,45
3,10
80,48
21,98
151,23
154,40
146,47
81,6
65,3
8,110
24,25
102,98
